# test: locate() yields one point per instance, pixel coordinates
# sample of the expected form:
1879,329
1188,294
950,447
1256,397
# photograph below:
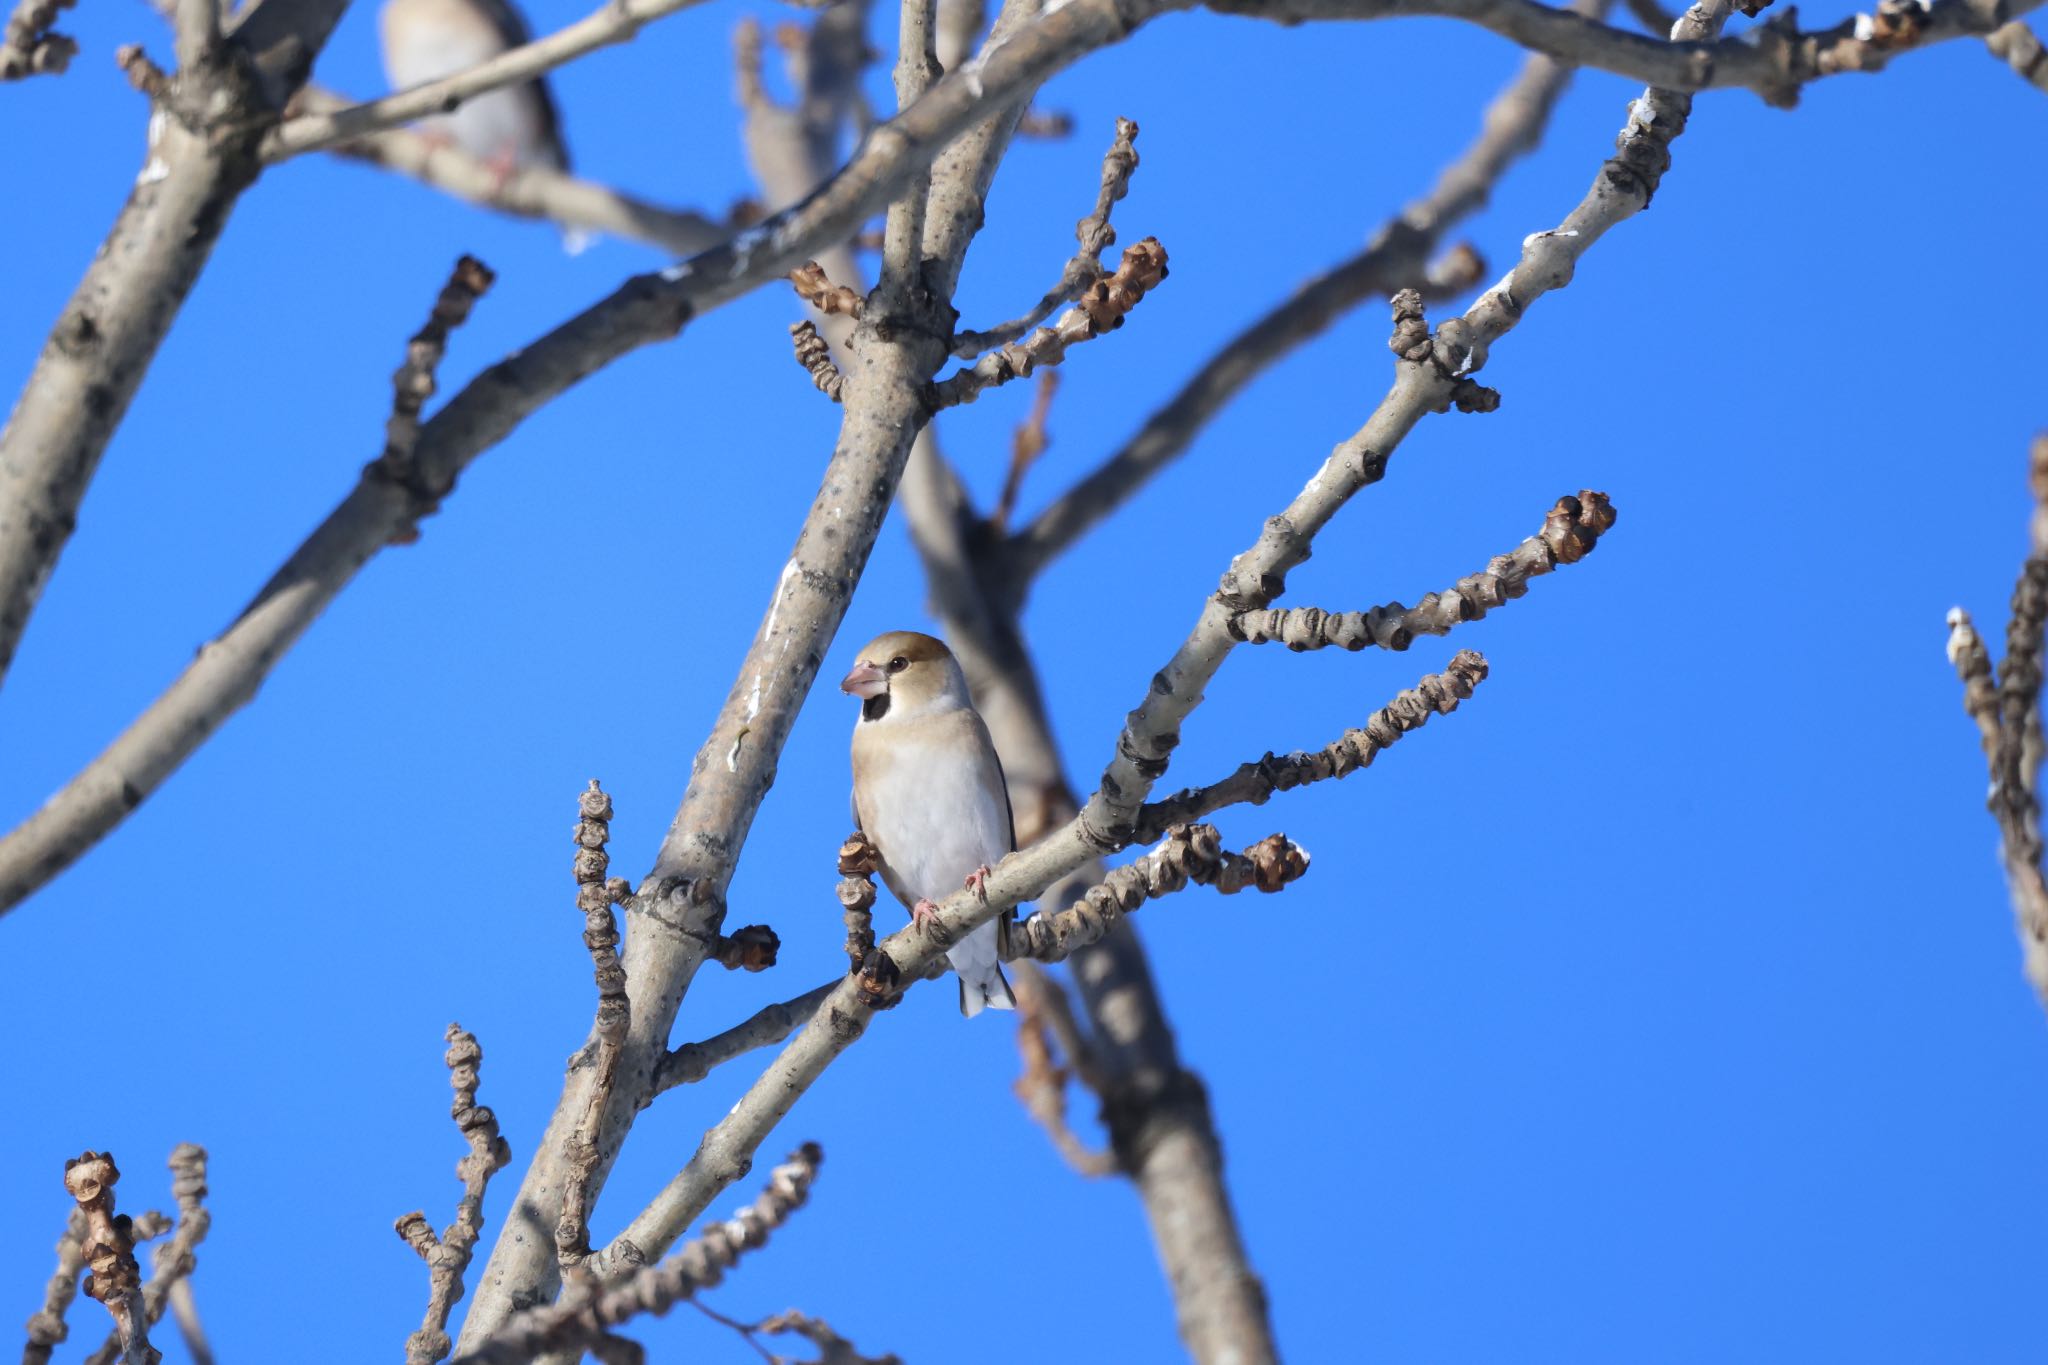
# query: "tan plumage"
928,792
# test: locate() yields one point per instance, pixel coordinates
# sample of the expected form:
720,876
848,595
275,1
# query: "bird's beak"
865,681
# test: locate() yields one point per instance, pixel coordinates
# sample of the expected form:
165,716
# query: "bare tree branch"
586,1313
109,1254
1093,234
1511,127
1253,782
395,491
47,1329
448,1255
615,22
201,156
1110,817
767,1026
1027,443
1623,188
2016,46
1774,60
186,1310
594,897
2006,708
1043,1085
528,192
171,1264
29,46
1103,307
1569,534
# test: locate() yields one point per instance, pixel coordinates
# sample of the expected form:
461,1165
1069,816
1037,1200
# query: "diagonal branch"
1254,782
1111,817
197,165
1103,307
529,192
394,492
1459,348
1510,128
585,1313
680,905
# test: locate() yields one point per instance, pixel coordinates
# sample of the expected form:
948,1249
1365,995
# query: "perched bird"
928,792
510,127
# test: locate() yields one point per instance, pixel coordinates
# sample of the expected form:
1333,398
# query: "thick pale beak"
865,681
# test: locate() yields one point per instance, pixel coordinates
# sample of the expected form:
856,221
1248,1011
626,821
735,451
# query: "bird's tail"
982,984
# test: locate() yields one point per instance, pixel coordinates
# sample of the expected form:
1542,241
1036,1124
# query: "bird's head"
903,673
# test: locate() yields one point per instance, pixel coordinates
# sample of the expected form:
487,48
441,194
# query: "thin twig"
1438,695
1103,307
1043,1085
764,1028
585,1313
186,1310
114,1278
1394,258
413,382
448,1255
1029,442
615,22
595,897
814,353
529,191
1093,235
2017,46
47,1329
172,1264
1569,534
2006,708
29,47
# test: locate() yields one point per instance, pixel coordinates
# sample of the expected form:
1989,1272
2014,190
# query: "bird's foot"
977,882
504,163
925,915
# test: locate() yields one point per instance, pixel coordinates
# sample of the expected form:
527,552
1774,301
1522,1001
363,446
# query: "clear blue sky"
1663,1004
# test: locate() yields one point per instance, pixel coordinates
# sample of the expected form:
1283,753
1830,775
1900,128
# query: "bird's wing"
509,22
511,26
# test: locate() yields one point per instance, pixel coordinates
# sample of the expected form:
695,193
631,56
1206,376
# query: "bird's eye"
898,664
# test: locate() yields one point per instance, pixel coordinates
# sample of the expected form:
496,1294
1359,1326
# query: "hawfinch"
928,792
509,127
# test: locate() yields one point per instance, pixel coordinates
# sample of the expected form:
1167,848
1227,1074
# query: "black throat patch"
875,707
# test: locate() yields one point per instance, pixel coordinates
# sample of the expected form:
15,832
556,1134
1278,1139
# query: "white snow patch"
1865,27
155,168
745,245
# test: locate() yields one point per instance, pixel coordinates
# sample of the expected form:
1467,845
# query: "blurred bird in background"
928,792
509,128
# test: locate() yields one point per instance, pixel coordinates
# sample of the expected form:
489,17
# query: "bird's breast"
932,815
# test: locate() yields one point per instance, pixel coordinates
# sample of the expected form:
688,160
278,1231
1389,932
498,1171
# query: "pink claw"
924,914
977,882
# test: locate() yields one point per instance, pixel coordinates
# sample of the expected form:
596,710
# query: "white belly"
934,821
